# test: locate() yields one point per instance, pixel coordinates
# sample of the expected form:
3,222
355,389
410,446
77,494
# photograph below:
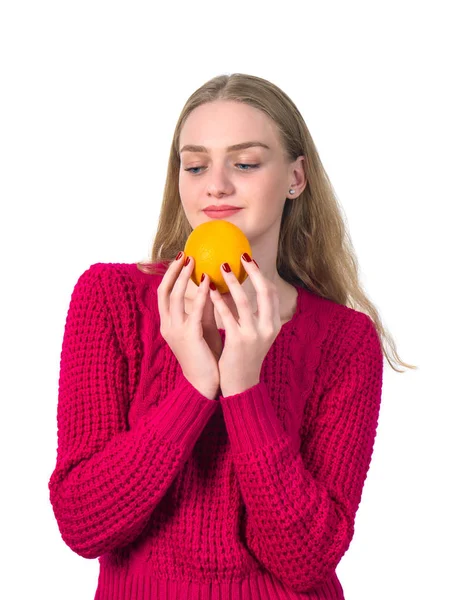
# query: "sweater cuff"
251,420
182,416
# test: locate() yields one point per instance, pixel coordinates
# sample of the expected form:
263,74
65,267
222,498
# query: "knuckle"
251,337
271,332
244,301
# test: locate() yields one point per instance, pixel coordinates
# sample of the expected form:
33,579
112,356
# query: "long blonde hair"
315,250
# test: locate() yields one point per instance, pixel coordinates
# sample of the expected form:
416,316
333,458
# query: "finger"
166,286
243,305
267,294
208,315
199,302
228,320
177,295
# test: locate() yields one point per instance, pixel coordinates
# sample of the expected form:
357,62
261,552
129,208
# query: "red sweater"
247,496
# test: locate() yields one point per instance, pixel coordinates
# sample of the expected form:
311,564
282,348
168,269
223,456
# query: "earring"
291,191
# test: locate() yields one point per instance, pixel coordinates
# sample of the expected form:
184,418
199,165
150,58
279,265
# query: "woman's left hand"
249,338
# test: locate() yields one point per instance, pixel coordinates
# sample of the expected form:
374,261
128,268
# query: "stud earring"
291,191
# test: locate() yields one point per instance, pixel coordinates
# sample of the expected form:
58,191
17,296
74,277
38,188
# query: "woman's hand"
188,335
209,327
249,338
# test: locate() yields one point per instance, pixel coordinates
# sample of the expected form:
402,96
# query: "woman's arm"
301,505
108,478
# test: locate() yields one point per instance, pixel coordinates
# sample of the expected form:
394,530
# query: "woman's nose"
219,182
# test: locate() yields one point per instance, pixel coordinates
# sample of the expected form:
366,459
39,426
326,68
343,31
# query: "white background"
90,95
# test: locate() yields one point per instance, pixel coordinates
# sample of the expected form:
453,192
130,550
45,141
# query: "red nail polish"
187,262
212,286
202,277
246,257
226,268
255,262
179,255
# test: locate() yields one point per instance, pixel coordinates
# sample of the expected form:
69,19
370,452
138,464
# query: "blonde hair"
315,250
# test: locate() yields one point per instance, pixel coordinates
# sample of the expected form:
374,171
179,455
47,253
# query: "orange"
213,243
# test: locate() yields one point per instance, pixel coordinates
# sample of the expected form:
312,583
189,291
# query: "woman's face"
256,179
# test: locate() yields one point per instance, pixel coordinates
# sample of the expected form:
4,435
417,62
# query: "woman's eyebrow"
234,148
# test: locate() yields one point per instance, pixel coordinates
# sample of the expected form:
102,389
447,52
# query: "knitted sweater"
178,496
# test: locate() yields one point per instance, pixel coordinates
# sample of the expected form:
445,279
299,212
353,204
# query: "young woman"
216,446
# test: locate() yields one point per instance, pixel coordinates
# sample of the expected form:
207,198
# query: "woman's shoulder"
341,329
128,289
122,274
125,291
331,313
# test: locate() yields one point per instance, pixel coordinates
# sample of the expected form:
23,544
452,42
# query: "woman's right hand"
184,333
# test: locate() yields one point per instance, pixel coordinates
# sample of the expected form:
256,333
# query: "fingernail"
203,277
212,286
187,262
226,268
246,257
179,256
255,262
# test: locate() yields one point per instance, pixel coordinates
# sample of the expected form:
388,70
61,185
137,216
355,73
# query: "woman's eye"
193,169
245,165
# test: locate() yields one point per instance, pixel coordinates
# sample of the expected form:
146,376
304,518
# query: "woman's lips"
220,214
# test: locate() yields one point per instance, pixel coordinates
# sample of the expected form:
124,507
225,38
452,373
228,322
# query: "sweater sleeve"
301,505
109,478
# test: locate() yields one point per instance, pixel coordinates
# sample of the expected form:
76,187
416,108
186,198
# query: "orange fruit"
213,243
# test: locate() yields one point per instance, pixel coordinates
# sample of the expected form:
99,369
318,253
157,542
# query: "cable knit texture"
181,497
